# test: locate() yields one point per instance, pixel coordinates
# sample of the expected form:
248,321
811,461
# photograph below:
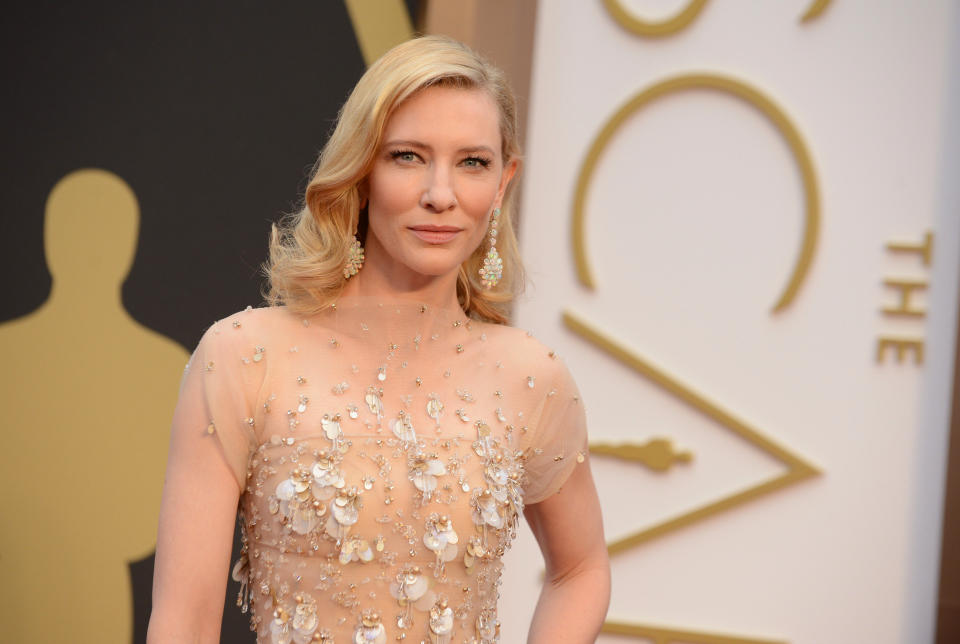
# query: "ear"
363,193
509,170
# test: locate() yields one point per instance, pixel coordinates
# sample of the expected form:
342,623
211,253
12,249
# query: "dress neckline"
394,320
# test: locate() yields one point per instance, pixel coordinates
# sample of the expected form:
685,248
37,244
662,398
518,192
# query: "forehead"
467,116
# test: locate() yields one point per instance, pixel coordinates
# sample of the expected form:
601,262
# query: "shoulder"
251,322
510,338
521,349
240,333
235,348
260,318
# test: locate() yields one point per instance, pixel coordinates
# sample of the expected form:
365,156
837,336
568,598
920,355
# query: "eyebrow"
424,146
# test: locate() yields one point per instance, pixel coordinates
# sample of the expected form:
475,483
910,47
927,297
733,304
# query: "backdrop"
202,120
741,222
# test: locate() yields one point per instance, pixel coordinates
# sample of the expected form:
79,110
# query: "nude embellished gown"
384,452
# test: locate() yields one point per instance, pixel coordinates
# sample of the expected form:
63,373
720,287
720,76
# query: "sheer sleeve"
217,396
557,438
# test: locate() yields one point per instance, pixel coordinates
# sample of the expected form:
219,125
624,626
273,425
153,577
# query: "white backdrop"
693,224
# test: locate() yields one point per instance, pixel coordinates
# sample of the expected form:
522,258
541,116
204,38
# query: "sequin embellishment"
385,514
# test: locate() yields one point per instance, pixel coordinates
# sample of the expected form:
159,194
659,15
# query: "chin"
435,267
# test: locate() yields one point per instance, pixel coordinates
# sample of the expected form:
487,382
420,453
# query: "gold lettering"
738,89
902,345
651,29
906,288
924,248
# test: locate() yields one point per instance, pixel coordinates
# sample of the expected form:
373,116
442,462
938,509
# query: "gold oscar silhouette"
88,396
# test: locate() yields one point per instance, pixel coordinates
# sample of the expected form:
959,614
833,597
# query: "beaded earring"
354,259
492,270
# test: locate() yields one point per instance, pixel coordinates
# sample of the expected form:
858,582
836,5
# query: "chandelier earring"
492,270
354,259
355,255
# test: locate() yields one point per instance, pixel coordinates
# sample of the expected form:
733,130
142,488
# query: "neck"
374,281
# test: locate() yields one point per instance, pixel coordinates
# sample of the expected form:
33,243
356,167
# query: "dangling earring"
492,269
354,259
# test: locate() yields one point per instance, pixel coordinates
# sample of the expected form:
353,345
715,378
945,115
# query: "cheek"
476,198
391,193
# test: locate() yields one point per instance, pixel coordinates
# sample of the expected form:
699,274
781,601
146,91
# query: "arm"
199,505
576,590
197,516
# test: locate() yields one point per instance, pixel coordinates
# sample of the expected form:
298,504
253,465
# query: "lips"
435,234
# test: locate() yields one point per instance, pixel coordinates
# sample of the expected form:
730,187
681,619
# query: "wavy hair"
308,249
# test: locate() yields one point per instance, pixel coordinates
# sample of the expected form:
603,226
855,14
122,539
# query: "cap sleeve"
557,439
217,396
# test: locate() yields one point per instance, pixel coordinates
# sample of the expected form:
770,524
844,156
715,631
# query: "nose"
438,192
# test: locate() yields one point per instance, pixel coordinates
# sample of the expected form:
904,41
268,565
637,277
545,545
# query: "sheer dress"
384,453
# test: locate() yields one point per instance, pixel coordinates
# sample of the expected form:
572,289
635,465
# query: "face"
437,177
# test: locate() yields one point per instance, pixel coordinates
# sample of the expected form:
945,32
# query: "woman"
379,426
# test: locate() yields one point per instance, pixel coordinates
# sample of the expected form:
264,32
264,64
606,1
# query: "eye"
476,162
406,156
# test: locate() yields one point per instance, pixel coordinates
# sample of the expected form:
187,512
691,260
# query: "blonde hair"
308,249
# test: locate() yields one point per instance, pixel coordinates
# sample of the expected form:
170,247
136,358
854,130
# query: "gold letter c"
735,88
